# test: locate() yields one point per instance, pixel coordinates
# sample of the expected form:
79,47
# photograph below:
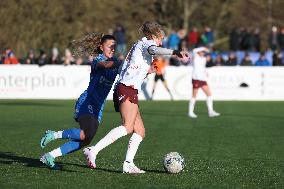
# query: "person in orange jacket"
10,58
160,65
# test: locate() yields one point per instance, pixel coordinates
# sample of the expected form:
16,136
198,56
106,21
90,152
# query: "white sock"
58,134
56,153
209,103
191,105
133,145
112,136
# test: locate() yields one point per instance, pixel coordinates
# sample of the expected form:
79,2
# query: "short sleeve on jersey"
96,60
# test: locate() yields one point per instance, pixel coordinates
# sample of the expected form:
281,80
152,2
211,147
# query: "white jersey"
137,64
199,65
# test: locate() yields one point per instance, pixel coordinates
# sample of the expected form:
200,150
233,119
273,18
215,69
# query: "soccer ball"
173,162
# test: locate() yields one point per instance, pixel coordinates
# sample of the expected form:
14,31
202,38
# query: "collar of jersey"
144,39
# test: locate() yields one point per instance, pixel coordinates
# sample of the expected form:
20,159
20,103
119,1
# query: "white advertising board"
68,82
46,82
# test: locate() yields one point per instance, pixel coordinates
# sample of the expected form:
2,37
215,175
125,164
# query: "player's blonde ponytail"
150,29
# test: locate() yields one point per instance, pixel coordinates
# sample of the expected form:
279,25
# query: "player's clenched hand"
182,56
177,53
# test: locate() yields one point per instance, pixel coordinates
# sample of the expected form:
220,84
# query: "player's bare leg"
209,102
191,103
128,113
139,125
134,142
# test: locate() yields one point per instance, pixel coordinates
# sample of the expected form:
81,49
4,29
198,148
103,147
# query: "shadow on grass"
120,171
9,158
112,170
155,171
109,170
97,168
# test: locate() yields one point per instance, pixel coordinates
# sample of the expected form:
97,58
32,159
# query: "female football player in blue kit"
89,106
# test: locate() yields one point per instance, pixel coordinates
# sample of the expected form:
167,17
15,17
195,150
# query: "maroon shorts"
198,83
123,93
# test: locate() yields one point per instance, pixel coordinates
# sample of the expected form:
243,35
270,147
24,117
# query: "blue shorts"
84,107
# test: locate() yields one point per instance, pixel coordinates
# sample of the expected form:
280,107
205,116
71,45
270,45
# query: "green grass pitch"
243,148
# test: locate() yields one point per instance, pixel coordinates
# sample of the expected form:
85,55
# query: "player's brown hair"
150,29
89,44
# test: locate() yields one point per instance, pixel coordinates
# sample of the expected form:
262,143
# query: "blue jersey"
92,100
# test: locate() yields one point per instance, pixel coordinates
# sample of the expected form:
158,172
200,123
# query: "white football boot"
91,157
213,114
131,168
192,115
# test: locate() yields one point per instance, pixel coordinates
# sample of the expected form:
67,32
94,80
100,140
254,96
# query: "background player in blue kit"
89,106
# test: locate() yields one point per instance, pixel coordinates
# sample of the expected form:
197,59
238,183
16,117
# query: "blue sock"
70,146
71,134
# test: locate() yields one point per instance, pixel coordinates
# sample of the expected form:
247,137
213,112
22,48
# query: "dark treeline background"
26,24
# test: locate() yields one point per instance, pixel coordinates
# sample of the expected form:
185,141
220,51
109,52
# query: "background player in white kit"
134,70
199,80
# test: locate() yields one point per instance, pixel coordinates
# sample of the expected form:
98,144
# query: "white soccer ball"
173,162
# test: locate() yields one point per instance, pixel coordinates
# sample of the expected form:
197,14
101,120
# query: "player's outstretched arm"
160,51
108,64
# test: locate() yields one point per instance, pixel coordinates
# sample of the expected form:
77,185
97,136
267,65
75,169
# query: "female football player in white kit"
134,70
199,80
